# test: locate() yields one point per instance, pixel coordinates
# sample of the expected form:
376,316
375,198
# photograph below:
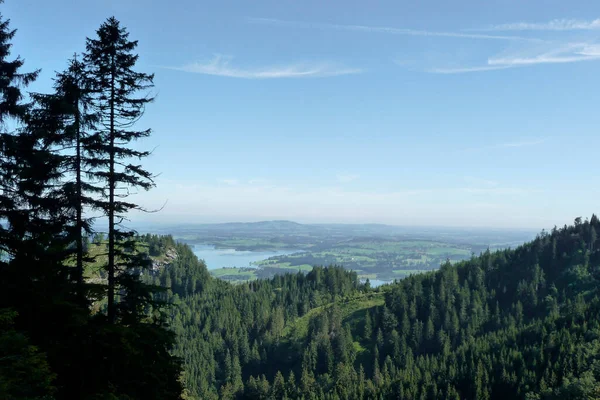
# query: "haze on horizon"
424,114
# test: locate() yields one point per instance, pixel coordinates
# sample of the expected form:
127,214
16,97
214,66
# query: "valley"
240,252
519,323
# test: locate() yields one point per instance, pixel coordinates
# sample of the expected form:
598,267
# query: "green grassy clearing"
233,272
351,312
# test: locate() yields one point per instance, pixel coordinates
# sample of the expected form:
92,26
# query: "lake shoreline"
220,257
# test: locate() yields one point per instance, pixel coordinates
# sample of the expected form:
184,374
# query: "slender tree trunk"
111,202
78,189
79,216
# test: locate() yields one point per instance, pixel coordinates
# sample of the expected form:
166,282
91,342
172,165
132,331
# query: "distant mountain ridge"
278,228
288,224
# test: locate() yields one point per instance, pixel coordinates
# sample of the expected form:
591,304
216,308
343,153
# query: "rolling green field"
375,259
374,251
234,274
380,260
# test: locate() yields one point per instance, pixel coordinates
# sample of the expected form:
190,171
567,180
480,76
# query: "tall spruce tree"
12,111
28,231
135,343
48,308
120,96
70,104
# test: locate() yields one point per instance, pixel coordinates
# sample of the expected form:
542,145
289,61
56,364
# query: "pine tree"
136,341
291,388
12,109
278,390
368,326
119,99
66,115
73,91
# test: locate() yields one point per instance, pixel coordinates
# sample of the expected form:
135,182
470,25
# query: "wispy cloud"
345,178
566,53
464,70
553,25
480,181
237,182
258,181
534,51
221,66
230,182
498,191
384,29
548,53
508,145
523,143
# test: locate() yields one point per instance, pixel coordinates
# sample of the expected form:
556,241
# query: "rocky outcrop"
162,262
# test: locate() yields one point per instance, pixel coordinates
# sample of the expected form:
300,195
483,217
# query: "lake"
375,282
229,258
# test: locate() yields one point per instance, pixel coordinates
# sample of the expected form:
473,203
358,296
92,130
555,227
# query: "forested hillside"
522,323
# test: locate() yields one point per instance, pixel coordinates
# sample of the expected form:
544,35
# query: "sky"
433,113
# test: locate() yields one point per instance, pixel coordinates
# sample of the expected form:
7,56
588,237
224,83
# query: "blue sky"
462,113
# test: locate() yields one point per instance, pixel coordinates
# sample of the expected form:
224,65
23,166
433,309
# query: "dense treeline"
522,323
65,160
226,332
